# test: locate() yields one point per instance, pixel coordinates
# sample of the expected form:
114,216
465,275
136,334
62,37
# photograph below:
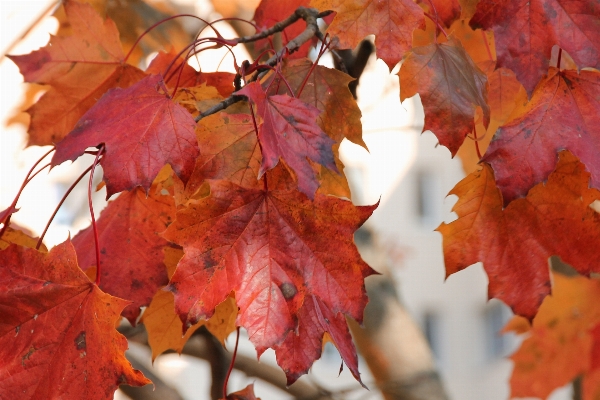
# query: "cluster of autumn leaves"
242,219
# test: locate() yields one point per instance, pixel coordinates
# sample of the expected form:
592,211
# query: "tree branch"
196,347
309,15
160,390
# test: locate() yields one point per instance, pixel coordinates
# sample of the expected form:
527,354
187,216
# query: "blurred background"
425,336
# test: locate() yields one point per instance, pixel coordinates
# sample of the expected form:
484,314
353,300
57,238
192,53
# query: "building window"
432,332
427,196
496,315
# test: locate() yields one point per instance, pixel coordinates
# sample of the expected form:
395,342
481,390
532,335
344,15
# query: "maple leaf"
80,68
505,94
128,224
526,30
451,88
57,329
327,90
7,213
563,113
391,21
164,326
334,183
446,10
514,244
300,350
478,43
229,151
561,341
20,238
289,131
245,394
264,246
142,130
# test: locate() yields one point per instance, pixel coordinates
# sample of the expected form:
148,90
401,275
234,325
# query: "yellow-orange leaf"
80,68
559,344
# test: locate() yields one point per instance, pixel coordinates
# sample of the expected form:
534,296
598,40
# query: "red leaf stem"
94,227
487,45
64,198
27,179
438,25
322,50
237,340
165,20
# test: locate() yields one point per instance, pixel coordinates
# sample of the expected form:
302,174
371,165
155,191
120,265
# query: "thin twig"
310,16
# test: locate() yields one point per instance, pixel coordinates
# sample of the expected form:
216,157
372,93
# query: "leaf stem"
64,198
237,341
27,179
165,20
322,50
558,59
94,227
310,16
476,142
437,24
487,45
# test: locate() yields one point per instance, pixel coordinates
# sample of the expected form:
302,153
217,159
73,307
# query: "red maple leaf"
300,350
142,130
290,131
451,87
229,151
57,329
515,243
563,113
128,224
526,30
245,394
7,213
391,21
80,68
274,249
327,90
446,10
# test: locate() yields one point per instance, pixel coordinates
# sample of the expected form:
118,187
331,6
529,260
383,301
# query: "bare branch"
196,347
159,391
309,15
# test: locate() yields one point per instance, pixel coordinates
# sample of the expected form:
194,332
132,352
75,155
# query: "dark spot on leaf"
567,80
28,355
80,341
136,284
288,290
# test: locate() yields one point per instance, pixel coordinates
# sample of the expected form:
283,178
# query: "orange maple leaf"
79,68
514,244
